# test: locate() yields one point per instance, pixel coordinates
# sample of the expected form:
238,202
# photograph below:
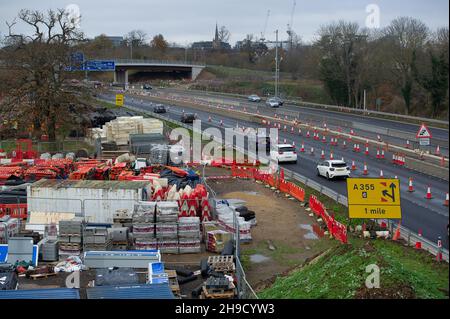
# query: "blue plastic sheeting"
155,291
56,293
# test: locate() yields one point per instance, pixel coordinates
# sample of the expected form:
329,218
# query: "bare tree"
137,38
224,34
38,95
406,37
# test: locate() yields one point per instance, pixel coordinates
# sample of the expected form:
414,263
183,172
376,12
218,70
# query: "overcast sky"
186,21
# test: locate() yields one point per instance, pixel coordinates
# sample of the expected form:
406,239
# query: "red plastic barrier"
297,192
14,210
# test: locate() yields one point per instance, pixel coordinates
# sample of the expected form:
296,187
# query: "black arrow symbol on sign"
392,195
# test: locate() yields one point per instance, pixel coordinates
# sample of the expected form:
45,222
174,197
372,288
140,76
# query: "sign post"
374,198
424,135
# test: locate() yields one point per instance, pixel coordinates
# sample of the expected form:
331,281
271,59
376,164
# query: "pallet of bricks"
143,226
96,238
166,226
70,237
9,227
215,237
122,224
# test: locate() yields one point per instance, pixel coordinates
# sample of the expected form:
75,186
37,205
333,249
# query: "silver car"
254,98
273,102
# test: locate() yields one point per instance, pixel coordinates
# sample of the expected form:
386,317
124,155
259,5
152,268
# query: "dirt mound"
402,291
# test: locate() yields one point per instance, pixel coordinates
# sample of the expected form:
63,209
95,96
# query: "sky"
187,21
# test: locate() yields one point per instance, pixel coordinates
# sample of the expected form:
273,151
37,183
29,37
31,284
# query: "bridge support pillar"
121,76
195,72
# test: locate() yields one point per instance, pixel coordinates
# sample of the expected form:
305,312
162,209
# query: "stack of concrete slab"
166,228
96,238
70,237
144,226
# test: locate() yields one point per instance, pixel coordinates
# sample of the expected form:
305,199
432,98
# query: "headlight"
348,168
332,169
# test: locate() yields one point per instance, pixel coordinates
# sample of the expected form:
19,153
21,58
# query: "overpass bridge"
184,69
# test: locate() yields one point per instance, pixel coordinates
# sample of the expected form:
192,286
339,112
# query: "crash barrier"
280,183
336,229
14,210
412,239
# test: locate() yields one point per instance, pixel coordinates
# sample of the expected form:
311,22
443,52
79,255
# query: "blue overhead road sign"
100,66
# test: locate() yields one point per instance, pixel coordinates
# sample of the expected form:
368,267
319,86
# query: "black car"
147,87
159,109
188,117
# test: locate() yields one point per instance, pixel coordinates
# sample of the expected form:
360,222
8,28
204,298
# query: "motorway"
365,126
430,216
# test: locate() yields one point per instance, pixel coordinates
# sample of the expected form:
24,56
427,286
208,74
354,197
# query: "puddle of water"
314,231
256,258
250,193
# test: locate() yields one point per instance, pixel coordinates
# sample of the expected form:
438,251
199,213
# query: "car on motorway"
254,98
188,117
282,153
274,102
159,108
147,87
333,168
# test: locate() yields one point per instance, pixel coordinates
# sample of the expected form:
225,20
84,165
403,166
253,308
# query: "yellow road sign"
373,198
119,99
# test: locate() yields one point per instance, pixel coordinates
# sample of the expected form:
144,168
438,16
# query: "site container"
96,201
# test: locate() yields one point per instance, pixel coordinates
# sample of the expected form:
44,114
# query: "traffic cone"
419,243
352,132
367,143
331,156
429,196
365,171
442,161
410,185
358,149
378,154
446,199
438,150
394,159
292,130
299,131
302,149
381,173
284,141
397,233
307,134
312,151
324,139
322,155
367,151
293,144
439,254
354,147
344,145
285,128
382,154
353,166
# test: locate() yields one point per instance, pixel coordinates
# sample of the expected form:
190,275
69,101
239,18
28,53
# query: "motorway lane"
319,116
429,215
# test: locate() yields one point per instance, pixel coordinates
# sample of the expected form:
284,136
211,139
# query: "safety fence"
336,229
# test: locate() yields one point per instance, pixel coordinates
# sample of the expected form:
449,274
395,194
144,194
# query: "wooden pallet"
221,263
225,294
69,246
39,276
173,281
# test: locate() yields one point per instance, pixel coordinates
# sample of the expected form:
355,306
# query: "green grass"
58,146
340,273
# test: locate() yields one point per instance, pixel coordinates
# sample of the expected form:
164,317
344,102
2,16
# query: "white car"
333,168
254,98
283,153
274,102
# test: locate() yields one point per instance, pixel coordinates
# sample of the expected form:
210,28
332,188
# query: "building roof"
153,291
54,183
55,293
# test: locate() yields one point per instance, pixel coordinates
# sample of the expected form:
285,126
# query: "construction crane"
289,31
263,33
